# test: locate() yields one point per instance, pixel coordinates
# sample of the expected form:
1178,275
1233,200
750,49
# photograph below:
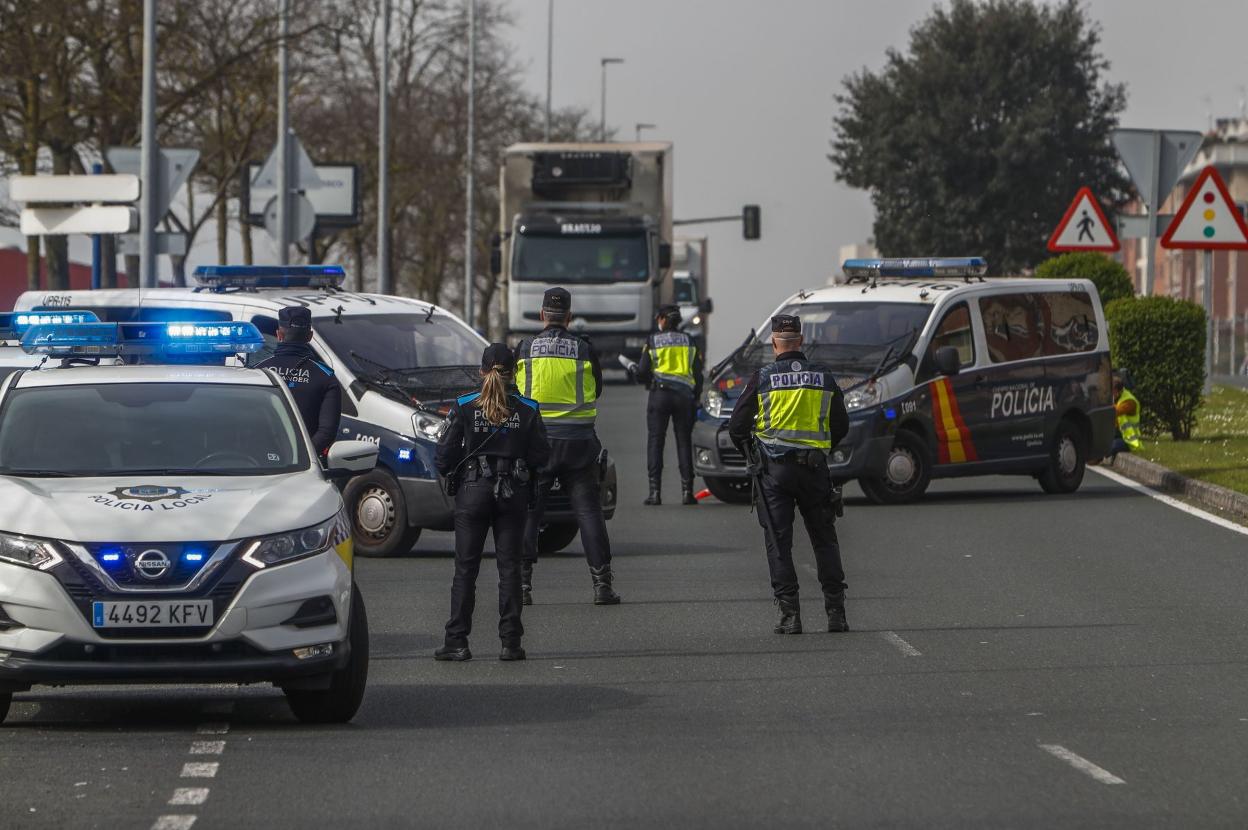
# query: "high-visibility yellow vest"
794,400
671,359
1129,425
554,370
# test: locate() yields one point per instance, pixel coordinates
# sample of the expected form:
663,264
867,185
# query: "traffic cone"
702,494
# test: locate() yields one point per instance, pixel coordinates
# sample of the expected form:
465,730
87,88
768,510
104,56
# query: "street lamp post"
550,61
640,126
469,161
602,127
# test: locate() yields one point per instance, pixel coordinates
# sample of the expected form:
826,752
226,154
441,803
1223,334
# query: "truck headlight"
286,547
862,397
32,553
428,426
713,402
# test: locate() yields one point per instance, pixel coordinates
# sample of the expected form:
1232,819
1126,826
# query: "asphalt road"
1017,660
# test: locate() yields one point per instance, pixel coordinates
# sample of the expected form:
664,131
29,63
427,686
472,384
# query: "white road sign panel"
65,189
92,219
1084,227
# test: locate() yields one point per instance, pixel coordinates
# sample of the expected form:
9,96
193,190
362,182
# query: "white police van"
168,521
946,373
401,363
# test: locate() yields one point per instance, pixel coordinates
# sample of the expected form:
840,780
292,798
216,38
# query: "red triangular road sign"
1084,227
1209,219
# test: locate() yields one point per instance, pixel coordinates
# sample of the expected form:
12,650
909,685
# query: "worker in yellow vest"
671,366
1127,409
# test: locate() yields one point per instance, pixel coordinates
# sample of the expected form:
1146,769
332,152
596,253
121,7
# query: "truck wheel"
379,515
6,700
729,490
340,702
555,537
907,472
1067,460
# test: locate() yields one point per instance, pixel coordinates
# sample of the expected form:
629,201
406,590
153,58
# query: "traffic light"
751,222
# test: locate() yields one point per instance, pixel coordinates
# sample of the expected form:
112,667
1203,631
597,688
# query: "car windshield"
570,259
400,348
111,429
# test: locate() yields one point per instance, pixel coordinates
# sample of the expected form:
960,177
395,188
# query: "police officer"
671,366
561,372
492,448
316,392
789,416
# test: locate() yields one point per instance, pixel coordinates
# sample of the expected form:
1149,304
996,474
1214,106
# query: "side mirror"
352,456
665,255
948,361
706,306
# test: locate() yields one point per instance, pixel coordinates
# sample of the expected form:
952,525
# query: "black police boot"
456,654
790,621
834,604
654,497
510,653
686,493
603,593
526,582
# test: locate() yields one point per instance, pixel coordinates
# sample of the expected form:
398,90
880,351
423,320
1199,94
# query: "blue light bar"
270,276
172,341
973,266
14,324
211,338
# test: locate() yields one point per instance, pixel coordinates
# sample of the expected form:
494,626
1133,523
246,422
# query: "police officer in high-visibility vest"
317,394
671,366
561,372
789,416
1127,411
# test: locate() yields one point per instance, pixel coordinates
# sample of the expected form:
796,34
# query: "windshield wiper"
178,471
46,474
894,349
718,367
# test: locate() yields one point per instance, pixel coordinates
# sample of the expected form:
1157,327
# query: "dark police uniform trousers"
574,464
675,406
787,485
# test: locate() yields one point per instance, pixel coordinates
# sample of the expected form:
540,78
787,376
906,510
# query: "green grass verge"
1218,451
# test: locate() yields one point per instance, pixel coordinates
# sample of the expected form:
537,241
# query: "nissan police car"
401,363
945,373
164,519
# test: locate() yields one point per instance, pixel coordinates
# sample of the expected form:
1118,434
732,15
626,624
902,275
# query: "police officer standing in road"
788,418
671,366
490,453
561,372
312,383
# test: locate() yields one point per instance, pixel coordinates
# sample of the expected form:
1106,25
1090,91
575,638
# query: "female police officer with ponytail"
491,451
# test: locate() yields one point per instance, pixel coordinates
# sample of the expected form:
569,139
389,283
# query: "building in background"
858,250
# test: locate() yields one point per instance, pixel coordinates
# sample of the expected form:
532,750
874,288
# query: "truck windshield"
572,259
685,290
112,429
385,344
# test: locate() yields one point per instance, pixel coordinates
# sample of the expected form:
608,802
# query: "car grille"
180,570
731,458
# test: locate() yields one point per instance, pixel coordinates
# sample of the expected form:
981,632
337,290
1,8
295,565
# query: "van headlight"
428,426
713,402
297,544
32,553
862,397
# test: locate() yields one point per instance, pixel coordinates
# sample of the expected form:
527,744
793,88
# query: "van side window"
268,330
1071,322
1014,327
954,330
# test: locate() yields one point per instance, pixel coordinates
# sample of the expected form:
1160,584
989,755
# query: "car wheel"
340,702
379,515
907,471
555,537
729,490
1067,460
6,700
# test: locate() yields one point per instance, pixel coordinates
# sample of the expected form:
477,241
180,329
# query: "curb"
1166,480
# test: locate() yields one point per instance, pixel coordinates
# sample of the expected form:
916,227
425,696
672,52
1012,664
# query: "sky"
744,89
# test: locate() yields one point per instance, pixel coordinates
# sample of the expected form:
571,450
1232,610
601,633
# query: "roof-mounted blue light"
220,277
155,342
13,325
973,266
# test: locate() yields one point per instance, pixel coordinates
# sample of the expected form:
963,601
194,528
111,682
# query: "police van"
945,372
401,363
169,522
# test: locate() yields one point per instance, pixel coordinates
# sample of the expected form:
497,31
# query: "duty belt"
490,467
805,458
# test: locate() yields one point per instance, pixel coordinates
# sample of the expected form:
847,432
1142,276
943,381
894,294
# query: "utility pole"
602,126
469,159
383,158
283,142
149,153
550,61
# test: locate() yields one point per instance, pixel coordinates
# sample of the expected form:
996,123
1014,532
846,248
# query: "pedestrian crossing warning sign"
1208,219
1084,227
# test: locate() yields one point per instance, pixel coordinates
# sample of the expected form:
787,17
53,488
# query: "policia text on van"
945,374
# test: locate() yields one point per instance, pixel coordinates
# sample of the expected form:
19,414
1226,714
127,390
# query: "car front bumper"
863,451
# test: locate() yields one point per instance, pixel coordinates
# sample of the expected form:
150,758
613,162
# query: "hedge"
1111,280
1160,341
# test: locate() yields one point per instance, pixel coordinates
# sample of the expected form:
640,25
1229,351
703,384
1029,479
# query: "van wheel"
555,537
729,490
907,472
6,700
340,702
1067,460
379,515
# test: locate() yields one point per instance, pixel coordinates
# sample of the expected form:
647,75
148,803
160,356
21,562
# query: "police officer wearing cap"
317,394
789,417
561,372
490,453
671,366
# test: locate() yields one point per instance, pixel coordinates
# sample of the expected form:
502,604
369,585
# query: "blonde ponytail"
493,399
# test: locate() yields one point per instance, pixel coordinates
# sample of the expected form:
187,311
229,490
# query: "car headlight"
862,396
286,547
428,426
33,553
713,402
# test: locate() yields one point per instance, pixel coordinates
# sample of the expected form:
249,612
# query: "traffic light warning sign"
1208,219
1084,227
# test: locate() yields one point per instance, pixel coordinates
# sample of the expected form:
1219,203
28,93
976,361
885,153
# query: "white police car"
168,522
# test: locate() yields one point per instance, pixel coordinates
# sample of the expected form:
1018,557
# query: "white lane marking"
207,747
203,769
902,646
189,795
173,823
1082,764
213,729
1171,501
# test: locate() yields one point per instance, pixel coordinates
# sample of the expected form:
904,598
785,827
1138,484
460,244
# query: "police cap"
498,354
669,311
786,323
557,299
294,317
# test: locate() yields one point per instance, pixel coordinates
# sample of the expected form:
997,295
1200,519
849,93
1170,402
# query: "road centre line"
902,646
1082,764
1171,501
174,823
207,747
202,769
189,795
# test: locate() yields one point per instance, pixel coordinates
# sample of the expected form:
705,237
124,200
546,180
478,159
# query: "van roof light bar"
14,324
222,277
916,268
154,342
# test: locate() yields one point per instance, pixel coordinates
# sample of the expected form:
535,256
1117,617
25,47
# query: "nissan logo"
151,564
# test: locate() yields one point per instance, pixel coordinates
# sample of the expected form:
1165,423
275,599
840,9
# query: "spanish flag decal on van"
954,444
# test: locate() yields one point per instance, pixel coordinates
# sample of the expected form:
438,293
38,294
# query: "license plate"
151,614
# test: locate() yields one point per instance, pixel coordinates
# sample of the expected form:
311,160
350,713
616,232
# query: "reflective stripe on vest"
555,374
1129,425
793,408
671,356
